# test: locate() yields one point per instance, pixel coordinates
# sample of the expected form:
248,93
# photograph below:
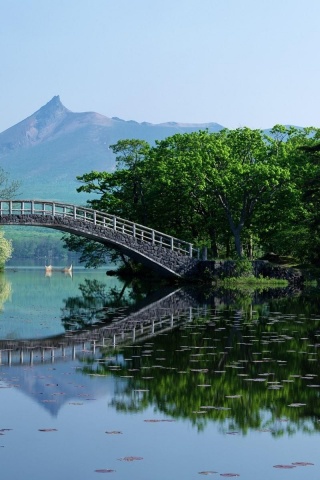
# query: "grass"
252,282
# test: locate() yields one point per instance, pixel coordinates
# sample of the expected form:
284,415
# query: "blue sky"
239,63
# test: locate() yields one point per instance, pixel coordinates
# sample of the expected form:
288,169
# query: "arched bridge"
167,255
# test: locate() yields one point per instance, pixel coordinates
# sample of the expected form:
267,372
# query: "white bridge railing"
105,220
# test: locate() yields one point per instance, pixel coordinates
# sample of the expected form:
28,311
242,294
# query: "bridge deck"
105,220
168,255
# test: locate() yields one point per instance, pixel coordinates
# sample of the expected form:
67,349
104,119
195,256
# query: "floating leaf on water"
155,420
207,472
47,430
104,470
284,466
229,475
199,370
130,459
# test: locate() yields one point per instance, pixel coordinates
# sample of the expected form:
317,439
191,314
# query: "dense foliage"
5,250
238,192
8,189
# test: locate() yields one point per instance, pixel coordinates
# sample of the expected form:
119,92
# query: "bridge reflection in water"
161,316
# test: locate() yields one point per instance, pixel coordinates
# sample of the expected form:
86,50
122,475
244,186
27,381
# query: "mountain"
47,150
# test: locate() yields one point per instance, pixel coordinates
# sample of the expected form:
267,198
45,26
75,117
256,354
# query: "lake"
98,377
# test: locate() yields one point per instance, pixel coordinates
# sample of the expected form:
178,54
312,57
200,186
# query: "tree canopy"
236,192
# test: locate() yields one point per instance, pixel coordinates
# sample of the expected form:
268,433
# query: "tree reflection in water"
5,290
97,303
249,367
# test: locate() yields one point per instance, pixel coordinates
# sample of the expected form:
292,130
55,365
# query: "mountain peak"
55,100
44,121
53,120
54,108
36,128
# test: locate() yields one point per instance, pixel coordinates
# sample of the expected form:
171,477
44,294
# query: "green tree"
120,193
286,223
177,199
5,250
246,173
8,189
209,188
215,182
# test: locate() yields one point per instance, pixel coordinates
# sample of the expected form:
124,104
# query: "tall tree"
122,191
5,250
204,176
119,193
8,189
246,173
285,223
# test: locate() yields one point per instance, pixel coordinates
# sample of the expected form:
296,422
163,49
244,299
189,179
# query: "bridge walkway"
168,255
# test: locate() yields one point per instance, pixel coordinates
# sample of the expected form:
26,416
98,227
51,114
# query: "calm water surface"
215,388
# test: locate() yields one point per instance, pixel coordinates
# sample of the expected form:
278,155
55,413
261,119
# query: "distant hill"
47,150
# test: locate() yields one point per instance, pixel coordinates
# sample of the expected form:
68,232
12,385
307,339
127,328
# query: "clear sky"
239,63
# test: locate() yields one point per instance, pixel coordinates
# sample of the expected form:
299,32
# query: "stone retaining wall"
227,268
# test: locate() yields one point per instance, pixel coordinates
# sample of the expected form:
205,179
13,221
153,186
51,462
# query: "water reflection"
5,290
244,370
240,369
32,302
245,365
96,301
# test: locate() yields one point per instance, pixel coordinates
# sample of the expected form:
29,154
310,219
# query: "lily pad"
130,459
284,466
104,470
